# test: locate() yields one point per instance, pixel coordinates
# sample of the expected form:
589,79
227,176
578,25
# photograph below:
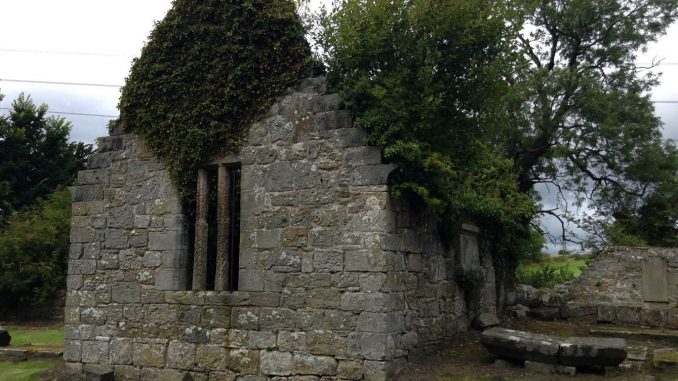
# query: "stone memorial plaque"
655,280
470,254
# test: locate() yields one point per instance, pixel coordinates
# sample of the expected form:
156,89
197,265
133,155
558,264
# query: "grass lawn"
23,336
25,370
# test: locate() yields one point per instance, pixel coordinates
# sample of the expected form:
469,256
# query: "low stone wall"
335,278
626,285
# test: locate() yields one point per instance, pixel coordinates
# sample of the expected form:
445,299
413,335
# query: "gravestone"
655,280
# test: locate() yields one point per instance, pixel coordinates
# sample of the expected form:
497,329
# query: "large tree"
580,114
35,155
450,88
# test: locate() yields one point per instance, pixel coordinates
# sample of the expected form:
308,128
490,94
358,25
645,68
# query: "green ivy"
209,69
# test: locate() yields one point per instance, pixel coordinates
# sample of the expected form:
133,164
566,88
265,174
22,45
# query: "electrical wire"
59,83
68,53
72,113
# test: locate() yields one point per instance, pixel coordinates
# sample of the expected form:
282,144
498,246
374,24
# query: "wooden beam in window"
201,233
224,217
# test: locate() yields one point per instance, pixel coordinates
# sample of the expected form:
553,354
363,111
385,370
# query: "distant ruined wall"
335,278
626,285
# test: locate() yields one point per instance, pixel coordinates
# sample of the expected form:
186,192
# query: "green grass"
550,270
24,336
574,265
25,370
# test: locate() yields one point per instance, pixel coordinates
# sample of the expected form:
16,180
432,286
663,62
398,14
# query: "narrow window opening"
217,228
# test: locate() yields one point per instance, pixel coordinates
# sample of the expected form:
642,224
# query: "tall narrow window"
217,228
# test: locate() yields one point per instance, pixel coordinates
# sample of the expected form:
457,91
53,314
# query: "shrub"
34,248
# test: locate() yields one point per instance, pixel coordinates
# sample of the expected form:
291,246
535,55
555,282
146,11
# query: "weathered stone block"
82,267
85,234
318,365
95,352
364,301
371,346
245,318
242,360
328,261
72,350
262,340
126,293
181,355
521,345
84,193
322,342
210,357
292,341
390,322
277,318
149,354
350,370
121,351
592,351
323,298
276,363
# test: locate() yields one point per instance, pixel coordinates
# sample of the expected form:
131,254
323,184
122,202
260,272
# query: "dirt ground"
465,359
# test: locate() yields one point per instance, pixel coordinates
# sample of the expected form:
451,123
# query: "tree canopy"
34,251
35,155
580,114
519,92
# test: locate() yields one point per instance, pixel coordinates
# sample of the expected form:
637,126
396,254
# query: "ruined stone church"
297,266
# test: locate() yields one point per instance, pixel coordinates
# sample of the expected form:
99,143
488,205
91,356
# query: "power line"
664,101
70,53
72,113
60,83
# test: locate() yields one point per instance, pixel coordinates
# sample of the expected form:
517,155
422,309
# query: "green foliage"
654,223
34,248
424,78
209,68
545,276
35,155
530,249
581,117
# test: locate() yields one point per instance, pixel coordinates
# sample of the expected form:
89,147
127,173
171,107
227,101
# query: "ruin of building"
312,269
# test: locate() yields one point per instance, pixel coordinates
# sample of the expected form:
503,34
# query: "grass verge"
36,336
25,370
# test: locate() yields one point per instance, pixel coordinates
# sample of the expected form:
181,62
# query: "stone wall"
335,278
626,285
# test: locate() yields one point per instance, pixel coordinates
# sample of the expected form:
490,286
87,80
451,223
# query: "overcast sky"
94,42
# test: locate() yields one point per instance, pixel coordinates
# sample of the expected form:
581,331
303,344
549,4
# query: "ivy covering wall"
209,68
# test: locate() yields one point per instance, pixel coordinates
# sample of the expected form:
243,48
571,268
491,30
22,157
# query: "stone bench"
576,351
